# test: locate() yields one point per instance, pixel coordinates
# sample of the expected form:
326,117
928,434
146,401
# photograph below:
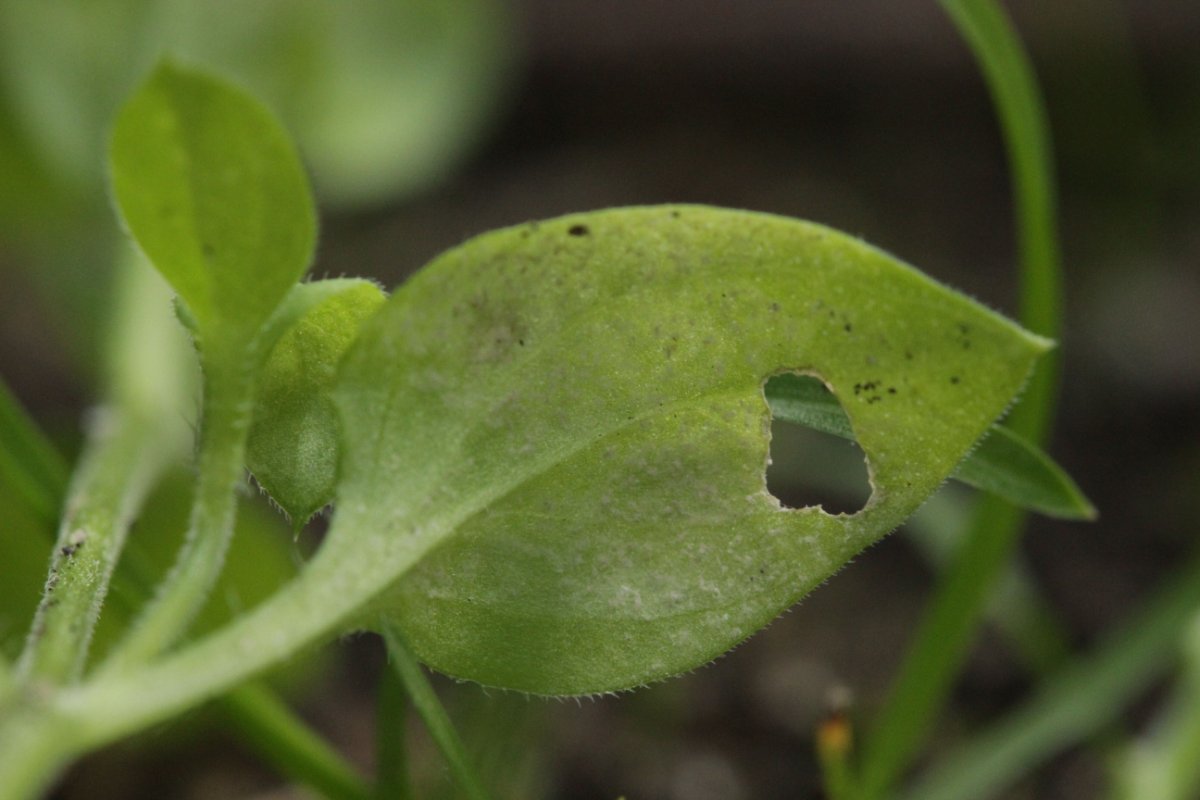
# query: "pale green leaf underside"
563,425
1003,463
212,190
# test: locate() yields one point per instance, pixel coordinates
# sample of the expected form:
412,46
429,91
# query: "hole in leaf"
809,466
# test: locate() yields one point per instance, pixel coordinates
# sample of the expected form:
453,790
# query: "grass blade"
426,703
273,732
28,461
952,617
1082,699
1165,763
1012,467
392,778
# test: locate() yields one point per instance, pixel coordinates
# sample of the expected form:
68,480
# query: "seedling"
545,453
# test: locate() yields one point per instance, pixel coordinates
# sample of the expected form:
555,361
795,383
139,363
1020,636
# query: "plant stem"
834,746
124,457
39,733
228,395
35,743
939,647
427,705
274,733
392,778
147,357
944,636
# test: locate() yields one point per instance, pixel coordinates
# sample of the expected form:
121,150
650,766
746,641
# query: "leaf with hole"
555,436
1003,463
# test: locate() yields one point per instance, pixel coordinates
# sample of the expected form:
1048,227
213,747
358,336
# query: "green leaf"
212,190
563,425
1014,468
293,445
1004,463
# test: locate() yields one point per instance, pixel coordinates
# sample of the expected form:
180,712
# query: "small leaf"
1003,463
562,425
208,184
1010,466
293,445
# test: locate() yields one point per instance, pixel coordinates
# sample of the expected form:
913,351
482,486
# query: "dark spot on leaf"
208,250
578,230
908,356
848,327
891,390
954,379
775,307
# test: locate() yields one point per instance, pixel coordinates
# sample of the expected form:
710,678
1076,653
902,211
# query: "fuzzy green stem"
123,459
228,396
427,705
40,733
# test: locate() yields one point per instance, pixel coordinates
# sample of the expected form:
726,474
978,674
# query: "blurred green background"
427,121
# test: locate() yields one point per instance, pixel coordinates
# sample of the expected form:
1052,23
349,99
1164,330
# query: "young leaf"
1003,463
563,425
293,445
210,187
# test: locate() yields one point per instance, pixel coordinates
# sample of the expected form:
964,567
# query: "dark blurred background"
870,117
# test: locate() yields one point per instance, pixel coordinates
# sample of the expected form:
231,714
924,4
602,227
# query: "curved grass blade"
941,643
